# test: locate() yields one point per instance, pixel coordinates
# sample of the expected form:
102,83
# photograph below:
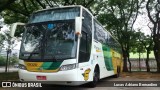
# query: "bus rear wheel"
95,78
118,72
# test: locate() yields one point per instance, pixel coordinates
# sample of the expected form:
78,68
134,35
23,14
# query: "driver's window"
83,42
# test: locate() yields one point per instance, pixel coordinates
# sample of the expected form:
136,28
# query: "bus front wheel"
95,77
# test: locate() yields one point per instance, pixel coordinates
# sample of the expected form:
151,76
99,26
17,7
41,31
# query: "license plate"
41,77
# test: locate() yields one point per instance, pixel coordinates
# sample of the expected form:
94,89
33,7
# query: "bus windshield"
54,40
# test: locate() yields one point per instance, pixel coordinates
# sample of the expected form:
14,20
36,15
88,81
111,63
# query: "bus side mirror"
16,26
78,25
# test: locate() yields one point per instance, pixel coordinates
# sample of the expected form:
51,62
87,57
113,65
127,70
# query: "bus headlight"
68,67
21,66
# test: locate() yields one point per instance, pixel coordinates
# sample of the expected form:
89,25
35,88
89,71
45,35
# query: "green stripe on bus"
54,65
107,57
46,65
51,65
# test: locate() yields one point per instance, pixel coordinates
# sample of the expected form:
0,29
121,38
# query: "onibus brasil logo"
20,84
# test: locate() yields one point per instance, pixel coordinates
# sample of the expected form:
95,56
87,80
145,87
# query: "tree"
2,36
147,42
5,3
119,19
153,10
9,43
140,48
20,10
1,22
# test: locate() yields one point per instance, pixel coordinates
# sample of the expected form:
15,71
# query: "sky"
142,21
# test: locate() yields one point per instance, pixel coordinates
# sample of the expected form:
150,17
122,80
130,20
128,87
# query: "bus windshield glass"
55,14
54,40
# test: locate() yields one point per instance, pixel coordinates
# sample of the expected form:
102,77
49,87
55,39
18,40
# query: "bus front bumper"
68,77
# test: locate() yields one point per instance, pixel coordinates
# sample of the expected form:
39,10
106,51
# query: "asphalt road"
102,85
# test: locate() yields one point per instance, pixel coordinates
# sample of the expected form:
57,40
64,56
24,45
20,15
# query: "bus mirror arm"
14,27
78,25
78,36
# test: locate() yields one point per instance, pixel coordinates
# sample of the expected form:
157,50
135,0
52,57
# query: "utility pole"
8,52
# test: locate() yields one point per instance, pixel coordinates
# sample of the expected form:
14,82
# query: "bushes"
2,61
13,60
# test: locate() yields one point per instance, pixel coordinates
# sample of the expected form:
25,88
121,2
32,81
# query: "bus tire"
96,77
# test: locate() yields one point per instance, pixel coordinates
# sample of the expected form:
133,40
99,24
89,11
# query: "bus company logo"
32,64
97,49
6,84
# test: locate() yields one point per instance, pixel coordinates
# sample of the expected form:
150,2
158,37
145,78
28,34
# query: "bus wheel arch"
96,76
98,69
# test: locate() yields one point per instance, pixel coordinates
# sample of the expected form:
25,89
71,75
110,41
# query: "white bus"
69,45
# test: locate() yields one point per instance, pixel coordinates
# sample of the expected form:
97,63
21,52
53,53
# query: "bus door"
84,56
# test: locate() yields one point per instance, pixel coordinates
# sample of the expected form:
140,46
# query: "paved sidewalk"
10,69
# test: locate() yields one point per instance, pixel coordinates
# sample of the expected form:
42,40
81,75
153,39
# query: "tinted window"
55,14
83,43
104,37
99,33
87,22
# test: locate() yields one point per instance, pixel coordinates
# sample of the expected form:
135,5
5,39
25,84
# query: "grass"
9,76
143,55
